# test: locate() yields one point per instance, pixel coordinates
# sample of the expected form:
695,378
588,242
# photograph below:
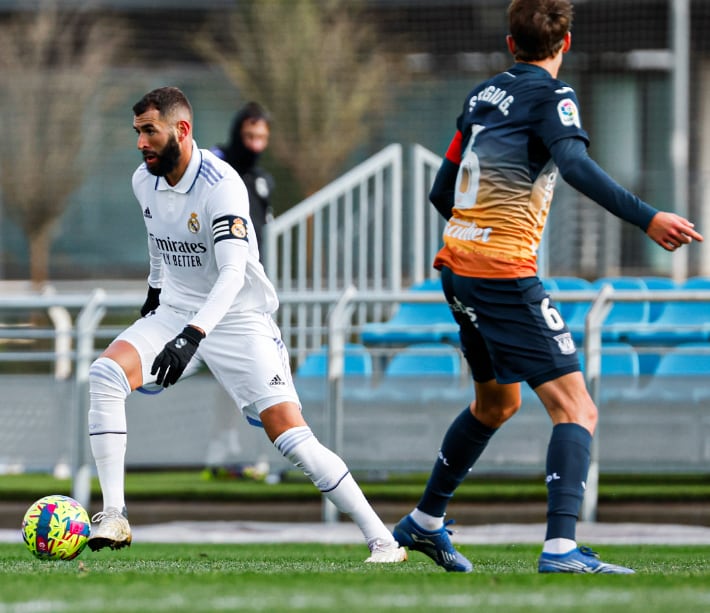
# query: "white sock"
426,521
559,546
108,388
332,477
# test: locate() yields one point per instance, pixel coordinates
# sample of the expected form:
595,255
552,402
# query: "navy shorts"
510,330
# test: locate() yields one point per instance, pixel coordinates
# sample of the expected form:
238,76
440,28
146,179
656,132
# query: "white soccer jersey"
203,253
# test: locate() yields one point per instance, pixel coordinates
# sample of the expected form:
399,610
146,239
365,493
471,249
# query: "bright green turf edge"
190,485
314,577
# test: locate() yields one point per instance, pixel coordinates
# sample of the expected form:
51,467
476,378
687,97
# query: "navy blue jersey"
506,175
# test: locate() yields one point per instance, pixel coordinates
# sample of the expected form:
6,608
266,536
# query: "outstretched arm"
668,230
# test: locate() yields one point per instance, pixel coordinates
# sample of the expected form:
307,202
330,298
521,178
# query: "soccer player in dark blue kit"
518,131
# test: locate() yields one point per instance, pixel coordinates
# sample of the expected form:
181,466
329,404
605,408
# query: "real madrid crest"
262,187
193,224
239,228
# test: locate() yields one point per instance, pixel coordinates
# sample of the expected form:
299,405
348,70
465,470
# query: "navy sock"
463,443
568,457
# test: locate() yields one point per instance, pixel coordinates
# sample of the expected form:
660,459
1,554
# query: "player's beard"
167,159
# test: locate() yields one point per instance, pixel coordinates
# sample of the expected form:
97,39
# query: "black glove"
170,363
152,302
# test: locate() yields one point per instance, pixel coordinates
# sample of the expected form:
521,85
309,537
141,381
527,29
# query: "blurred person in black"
249,138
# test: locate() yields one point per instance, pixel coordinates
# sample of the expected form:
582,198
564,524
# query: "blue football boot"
580,560
436,545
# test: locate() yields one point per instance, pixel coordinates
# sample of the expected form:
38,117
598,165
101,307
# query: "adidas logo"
449,557
277,381
147,214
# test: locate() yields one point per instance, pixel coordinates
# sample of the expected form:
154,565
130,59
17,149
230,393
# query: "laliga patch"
567,110
230,227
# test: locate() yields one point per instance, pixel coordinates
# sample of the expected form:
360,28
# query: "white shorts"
247,357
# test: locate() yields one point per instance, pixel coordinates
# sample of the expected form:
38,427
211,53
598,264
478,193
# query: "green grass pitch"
314,577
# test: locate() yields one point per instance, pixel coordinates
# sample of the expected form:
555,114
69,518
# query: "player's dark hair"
166,100
538,27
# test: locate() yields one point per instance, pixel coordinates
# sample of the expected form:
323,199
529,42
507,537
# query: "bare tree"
319,68
51,68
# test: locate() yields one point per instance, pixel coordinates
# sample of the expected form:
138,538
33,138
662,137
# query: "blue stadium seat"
648,360
653,282
549,284
358,362
682,375
680,321
570,283
573,312
623,316
618,359
424,360
691,359
414,322
657,283
428,285
649,357
620,371
696,283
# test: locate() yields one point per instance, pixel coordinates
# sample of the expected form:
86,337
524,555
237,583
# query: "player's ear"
511,44
567,42
183,129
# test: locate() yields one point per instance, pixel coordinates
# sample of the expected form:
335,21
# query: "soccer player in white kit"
209,302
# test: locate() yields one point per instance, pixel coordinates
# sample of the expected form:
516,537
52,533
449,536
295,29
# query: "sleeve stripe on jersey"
210,173
230,227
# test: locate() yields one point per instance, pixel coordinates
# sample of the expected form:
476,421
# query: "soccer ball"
56,528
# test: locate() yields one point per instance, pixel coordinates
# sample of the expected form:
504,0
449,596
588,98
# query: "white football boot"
386,552
110,528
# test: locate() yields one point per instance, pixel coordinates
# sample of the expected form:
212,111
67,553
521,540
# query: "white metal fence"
395,429
340,259
360,230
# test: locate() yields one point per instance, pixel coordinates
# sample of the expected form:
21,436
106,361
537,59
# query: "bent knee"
586,415
496,417
280,418
105,374
495,414
496,403
567,403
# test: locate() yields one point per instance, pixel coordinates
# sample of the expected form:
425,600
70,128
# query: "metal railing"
601,302
359,230
93,307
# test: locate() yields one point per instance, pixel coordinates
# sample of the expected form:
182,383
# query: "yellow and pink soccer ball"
56,527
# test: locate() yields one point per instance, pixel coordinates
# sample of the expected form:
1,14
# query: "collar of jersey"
520,67
184,185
